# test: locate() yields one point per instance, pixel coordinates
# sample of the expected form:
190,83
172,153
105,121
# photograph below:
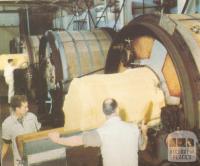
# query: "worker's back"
119,143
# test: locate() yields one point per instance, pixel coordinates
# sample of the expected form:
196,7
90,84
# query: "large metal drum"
31,44
65,55
74,54
170,45
31,48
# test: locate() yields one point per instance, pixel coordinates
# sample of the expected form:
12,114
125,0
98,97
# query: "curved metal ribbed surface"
75,54
169,45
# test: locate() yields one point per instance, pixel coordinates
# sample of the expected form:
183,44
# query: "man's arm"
143,140
89,138
37,123
22,64
4,150
6,137
70,141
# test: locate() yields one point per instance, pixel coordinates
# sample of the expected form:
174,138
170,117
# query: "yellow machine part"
18,59
136,91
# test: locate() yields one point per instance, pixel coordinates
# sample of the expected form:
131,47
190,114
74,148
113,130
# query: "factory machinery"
168,44
53,60
66,55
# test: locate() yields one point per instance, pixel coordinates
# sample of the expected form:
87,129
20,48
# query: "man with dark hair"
119,141
18,123
109,106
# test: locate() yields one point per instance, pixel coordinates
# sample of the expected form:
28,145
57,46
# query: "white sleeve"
6,132
91,138
36,122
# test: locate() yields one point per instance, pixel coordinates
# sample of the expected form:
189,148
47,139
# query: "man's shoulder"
8,67
128,127
8,121
30,115
121,125
131,125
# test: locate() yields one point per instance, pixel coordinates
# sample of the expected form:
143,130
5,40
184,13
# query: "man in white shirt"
119,141
9,78
18,123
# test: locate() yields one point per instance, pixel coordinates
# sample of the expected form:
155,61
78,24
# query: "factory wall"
9,28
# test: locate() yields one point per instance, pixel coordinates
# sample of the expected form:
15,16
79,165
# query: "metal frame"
147,7
88,13
116,19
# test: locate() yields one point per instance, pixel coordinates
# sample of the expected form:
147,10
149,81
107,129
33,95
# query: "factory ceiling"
68,5
58,3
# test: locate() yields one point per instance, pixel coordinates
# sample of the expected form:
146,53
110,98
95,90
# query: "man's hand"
54,136
143,137
144,128
4,151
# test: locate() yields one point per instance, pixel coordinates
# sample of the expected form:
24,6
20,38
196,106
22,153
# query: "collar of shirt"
113,119
17,120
